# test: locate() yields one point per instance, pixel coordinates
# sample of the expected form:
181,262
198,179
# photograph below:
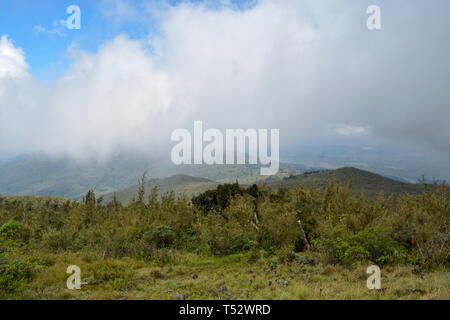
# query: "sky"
139,69
36,27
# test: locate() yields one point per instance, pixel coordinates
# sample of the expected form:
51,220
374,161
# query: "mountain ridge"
363,182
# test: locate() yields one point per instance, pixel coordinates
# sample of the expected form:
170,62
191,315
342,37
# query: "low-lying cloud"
299,66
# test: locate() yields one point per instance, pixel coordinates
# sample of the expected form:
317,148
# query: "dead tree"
302,244
255,220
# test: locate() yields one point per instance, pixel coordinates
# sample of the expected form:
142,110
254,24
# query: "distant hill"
362,181
42,175
180,184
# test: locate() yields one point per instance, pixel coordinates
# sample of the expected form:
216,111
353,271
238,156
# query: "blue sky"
46,52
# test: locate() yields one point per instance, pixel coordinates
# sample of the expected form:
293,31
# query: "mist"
297,66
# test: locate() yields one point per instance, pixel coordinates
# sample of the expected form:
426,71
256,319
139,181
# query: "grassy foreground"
188,276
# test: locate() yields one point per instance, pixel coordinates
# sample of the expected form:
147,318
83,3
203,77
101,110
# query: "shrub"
220,199
13,275
13,230
278,227
223,237
161,237
371,244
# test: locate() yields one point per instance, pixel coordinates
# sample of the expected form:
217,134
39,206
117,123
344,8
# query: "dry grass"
232,277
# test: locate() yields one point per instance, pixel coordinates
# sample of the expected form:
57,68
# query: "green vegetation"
363,182
231,242
180,184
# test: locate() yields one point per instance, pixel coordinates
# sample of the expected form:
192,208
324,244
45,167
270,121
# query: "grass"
231,277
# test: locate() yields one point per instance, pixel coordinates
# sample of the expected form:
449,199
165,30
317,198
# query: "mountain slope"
362,181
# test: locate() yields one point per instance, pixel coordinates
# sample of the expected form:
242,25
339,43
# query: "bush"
371,244
221,198
224,237
161,237
13,275
13,230
278,227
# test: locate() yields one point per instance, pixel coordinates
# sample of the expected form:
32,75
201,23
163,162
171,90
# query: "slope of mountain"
390,159
362,181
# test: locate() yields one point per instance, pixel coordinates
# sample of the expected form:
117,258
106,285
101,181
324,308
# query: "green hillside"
362,181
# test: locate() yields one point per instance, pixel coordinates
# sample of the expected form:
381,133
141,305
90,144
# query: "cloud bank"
299,66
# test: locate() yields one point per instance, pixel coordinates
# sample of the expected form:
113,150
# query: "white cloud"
58,28
12,60
348,130
297,66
